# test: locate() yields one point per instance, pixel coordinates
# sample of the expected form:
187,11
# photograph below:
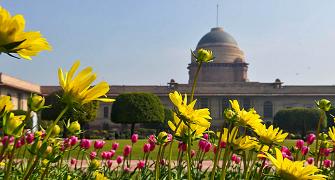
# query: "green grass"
137,152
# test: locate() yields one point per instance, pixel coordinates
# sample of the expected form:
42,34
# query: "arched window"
268,109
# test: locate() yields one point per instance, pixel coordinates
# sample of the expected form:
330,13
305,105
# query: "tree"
81,113
299,120
132,108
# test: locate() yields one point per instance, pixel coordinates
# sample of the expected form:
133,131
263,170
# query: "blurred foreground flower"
12,124
293,170
78,89
6,105
13,39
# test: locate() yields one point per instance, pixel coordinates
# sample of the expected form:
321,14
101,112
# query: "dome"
223,45
216,36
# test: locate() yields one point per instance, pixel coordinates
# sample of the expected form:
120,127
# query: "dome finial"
217,15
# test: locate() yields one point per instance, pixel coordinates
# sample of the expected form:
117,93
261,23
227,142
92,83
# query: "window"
268,109
106,112
19,101
224,104
246,103
204,103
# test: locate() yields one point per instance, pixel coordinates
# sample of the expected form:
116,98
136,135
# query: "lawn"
138,149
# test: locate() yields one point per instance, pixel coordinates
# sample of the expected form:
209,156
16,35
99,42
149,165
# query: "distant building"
223,79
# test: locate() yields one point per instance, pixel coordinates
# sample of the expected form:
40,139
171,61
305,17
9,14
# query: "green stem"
45,171
170,150
49,130
9,165
189,164
31,169
195,81
317,139
157,163
216,157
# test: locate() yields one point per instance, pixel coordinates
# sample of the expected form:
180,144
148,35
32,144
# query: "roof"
217,36
9,81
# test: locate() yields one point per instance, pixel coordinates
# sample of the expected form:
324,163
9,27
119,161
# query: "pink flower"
169,137
286,151
208,147
310,138
119,159
215,149
126,169
238,160
126,150
73,161
205,136
202,144
146,148
140,164
93,154
233,157
310,160
299,143
304,150
182,146
112,153
327,163
115,145
7,140
152,147
193,153
104,155
134,138
19,143
152,139
162,162
73,140
222,144
30,138
85,143
99,144
109,163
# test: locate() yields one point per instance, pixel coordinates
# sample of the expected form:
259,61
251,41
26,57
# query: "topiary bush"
132,108
299,120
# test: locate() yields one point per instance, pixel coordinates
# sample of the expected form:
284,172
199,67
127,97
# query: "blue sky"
148,42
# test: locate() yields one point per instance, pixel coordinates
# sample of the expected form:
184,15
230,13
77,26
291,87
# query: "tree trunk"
132,129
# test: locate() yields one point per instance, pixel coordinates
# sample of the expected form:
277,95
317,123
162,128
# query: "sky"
148,42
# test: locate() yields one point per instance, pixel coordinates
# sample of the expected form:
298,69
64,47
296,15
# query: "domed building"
229,64
219,81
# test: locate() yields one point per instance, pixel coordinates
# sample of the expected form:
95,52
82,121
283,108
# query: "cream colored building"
223,79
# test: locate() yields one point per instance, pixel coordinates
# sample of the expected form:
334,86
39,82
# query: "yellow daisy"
13,39
6,105
187,111
182,130
293,170
78,89
269,135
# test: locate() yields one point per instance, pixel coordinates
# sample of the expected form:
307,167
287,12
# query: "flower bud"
99,144
36,102
73,140
112,153
7,140
74,127
182,146
327,163
304,150
152,139
229,114
55,131
85,143
203,55
233,157
30,138
146,148
310,138
310,160
12,123
109,163
162,137
126,150
286,151
299,143
115,145
48,150
193,153
93,154
238,160
140,164
134,138
126,170
324,104
119,159
205,136
208,147
73,161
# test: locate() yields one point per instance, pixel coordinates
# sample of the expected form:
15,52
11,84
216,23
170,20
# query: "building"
223,79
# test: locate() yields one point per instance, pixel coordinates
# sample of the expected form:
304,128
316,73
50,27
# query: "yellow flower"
269,135
6,105
245,118
99,176
241,143
203,55
235,106
78,89
293,170
182,130
331,133
55,131
13,39
36,102
12,123
74,127
95,164
187,111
